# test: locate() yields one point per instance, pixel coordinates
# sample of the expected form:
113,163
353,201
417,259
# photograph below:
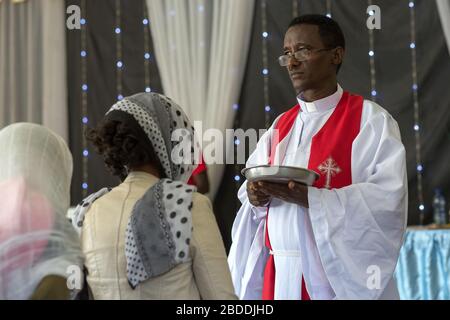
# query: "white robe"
348,236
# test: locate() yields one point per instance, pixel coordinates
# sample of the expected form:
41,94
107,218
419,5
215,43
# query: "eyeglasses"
301,54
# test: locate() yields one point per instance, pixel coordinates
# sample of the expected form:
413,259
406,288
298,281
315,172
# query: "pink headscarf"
23,212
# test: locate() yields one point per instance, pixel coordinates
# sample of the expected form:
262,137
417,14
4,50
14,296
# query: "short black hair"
121,144
329,30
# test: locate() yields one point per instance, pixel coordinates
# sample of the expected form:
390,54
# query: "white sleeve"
359,228
247,253
259,156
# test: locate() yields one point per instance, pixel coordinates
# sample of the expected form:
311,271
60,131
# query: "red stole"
330,156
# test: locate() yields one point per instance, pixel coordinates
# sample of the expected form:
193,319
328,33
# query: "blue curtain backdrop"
423,270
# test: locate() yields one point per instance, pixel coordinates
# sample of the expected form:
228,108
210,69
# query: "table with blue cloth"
423,269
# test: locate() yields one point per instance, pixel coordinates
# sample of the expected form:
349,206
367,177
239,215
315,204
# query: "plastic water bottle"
439,212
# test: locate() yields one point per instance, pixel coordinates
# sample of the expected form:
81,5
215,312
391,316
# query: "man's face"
320,66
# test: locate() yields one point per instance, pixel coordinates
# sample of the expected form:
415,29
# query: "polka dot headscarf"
163,120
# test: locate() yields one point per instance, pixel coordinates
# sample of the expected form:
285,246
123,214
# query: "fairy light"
328,8
373,82
414,91
84,98
295,8
237,166
147,55
265,61
119,62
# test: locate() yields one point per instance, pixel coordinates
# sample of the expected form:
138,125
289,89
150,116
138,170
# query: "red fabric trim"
200,168
335,140
283,126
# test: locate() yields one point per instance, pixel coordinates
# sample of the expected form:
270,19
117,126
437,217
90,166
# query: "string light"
373,82
328,9
84,97
237,166
147,56
414,90
265,61
295,8
119,63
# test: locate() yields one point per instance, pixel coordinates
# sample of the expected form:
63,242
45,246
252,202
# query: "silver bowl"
280,174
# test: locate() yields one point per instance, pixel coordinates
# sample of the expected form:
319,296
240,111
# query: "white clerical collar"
323,104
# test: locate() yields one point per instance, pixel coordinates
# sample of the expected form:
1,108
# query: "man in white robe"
326,242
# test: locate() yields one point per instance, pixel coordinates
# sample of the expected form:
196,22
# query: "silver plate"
280,174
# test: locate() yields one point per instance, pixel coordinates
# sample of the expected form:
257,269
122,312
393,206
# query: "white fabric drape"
443,7
201,49
33,64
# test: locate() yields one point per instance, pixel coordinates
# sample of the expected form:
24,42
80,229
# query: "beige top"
206,276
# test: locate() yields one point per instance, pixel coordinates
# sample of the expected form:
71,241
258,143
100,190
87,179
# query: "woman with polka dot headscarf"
153,236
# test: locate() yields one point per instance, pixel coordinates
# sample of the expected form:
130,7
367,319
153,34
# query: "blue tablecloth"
423,269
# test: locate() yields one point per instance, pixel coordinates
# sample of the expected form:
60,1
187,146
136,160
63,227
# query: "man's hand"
255,196
291,192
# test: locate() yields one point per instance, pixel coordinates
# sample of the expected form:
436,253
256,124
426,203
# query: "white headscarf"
36,239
